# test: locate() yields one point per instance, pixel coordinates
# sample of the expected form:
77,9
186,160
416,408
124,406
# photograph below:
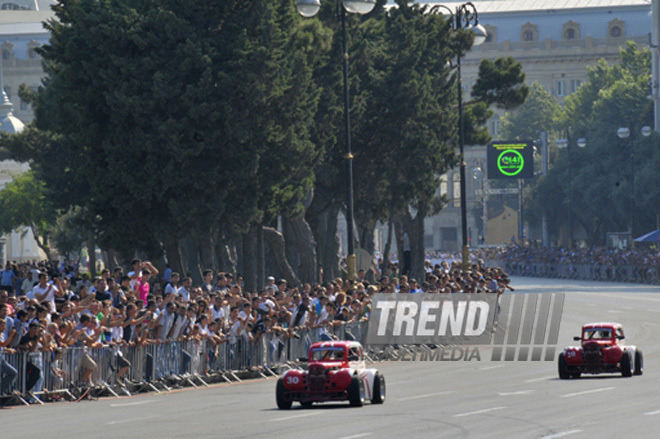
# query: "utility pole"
544,171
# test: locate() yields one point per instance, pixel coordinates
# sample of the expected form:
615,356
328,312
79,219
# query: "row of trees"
185,129
602,173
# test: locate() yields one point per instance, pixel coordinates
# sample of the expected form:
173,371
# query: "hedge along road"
444,399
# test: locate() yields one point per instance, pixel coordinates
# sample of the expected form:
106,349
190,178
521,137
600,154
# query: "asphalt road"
477,399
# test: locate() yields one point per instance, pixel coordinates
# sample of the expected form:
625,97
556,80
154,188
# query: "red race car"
602,351
336,372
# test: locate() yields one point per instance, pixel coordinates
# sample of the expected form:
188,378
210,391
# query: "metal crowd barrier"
156,367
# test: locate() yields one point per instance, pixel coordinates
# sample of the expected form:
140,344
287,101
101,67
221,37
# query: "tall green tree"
23,203
604,171
540,112
176,118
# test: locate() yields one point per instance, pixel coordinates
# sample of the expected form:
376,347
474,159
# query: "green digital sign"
514,159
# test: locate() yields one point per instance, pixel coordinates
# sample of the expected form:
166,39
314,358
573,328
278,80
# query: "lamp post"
561,144
624,133
309,8
480,176
464,17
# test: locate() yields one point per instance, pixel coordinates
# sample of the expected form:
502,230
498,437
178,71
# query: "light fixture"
359,6
308,8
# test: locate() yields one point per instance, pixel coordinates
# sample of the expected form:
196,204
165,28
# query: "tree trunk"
384,268
301,249
174,256
206,244
249,258
91,250
225,251
41,243
417,254
415,228
324,227
275,241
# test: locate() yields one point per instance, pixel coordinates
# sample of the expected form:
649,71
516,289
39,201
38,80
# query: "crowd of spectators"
46,307
637,256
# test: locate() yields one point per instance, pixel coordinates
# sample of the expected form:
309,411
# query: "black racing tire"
306,404
639,362
378,396
356,392
561,366
282,404
626,367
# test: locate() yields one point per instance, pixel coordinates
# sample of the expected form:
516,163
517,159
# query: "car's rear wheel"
379,389
356,392
282,404
639,362
561,365
626,367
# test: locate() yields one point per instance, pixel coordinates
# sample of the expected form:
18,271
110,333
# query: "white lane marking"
356,436
533,380
562,434
491,367
294,417
428,395
478,412
655,412
586,392
124,421
520,392
128,404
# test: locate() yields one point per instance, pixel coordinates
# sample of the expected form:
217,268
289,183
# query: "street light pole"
465,16
309,8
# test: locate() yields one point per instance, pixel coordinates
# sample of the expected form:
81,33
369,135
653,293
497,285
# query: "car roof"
336,344
601,325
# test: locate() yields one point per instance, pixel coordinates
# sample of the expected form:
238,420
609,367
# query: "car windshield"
598,334
327,354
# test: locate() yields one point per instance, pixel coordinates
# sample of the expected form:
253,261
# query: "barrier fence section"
154,366
599,272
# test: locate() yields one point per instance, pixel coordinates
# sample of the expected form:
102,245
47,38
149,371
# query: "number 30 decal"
292,380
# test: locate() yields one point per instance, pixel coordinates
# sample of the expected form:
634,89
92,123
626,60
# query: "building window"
24,105
32,54
6,54
616,28
571,31
491,33
561,88
575,84
529,32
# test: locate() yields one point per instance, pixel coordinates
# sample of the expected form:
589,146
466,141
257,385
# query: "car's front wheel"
379,389
282,403
561,365
626,367
639,362
356,392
